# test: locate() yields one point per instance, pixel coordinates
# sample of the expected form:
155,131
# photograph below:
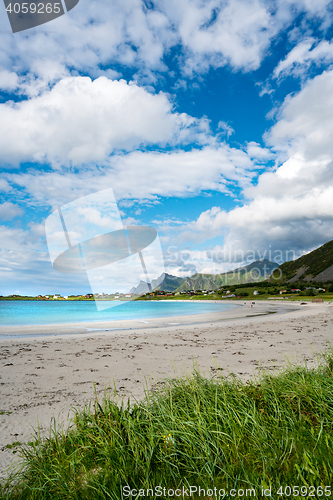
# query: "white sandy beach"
43,377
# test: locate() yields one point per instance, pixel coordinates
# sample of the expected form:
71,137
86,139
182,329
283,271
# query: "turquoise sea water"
21,312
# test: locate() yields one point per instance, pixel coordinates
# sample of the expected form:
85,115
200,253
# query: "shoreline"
42,378
260,308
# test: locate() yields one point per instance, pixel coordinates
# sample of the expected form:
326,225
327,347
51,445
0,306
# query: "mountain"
170,283
315,266
165,282
257,271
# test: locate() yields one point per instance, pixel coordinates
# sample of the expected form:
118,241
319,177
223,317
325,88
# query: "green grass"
191,431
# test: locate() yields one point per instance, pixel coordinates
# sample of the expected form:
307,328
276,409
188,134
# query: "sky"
211,121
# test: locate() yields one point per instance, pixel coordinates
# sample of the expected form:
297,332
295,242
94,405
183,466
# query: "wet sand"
44,376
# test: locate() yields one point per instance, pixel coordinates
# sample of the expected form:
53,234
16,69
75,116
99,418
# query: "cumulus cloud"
290,208
143,176
138,35
9,211
9,80
236,33
305,123
254,150
282,223
301,57
227,129
80,121
91,36
4,186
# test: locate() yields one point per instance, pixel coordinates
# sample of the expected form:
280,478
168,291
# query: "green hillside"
170,283
257,271
314,266
252,273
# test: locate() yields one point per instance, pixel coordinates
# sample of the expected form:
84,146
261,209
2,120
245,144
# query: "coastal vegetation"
257,291
262,290
268,433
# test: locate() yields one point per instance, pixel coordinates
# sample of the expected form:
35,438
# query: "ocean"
31,312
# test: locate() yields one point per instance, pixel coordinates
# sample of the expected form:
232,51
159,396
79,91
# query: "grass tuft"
190,431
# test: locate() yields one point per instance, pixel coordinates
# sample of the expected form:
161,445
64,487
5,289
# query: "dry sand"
45,376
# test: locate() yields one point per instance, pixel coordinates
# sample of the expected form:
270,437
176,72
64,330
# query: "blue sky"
211,121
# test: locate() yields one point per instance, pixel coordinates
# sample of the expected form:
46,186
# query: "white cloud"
267,223
212,33
91,36
4,186
82,121
9,80
130,221
227,129
254,150
144,175
291,207
302,56
24,261
86,121
265,88
305,121
237,32
9,211
95,35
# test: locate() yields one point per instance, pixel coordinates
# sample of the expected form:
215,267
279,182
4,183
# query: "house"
282,291
56,296
256,292
128,295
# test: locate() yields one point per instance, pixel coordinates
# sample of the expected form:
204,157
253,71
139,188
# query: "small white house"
255,292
